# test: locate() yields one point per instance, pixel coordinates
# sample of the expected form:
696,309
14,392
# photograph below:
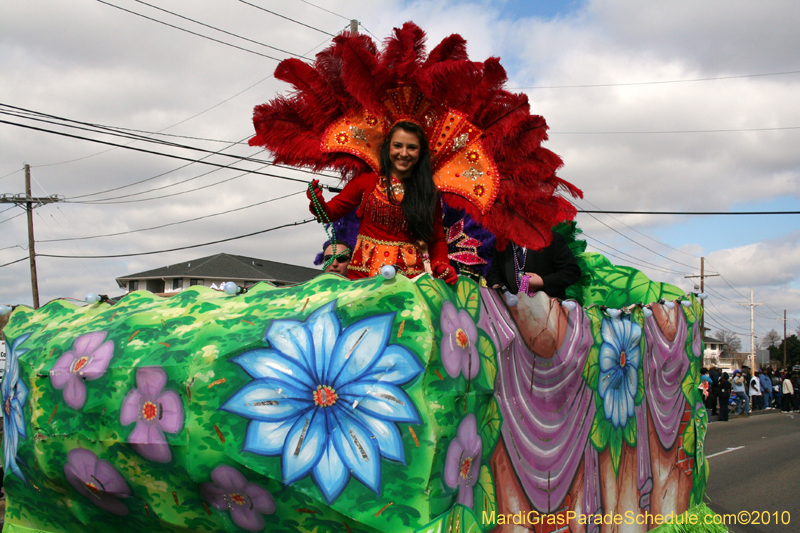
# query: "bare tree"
771,339
732,343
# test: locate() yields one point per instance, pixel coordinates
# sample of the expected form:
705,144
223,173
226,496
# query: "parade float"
376,405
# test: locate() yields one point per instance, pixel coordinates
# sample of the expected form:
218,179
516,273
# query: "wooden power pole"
702,277
30,202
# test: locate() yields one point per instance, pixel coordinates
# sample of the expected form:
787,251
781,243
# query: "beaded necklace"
517,267
329,231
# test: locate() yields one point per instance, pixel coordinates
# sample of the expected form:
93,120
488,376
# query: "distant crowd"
745,391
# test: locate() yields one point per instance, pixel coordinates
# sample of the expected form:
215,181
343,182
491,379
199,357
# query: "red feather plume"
353,78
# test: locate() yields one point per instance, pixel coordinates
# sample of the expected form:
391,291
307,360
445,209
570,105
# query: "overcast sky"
653,106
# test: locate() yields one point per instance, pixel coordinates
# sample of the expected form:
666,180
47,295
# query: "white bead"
647,312
613,313
92,298
511,299
388,271
569,305
669,304
686,303
4,310
230,287
702,296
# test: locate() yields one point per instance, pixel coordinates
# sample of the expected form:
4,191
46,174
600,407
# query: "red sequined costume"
384,237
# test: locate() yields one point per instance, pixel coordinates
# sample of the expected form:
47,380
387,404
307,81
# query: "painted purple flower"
463,461
459,342
246,501
155,411
97,480
87,360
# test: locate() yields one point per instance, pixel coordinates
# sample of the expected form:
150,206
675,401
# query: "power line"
640,244
657,82
12,218
188,31
12,262
691,213
637,231
326,10
669,131
634,258
114,131
11,174
220,30
172,223
108,143
146,179
298,223
104,201
367,29
262,80
287,18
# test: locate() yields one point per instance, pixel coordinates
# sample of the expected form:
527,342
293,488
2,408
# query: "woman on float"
399,210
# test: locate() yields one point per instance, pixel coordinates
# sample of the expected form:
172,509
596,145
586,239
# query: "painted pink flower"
87,360
97,480
459,342
155,411
463,461
247,502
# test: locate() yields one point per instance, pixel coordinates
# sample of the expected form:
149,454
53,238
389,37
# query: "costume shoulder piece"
485,145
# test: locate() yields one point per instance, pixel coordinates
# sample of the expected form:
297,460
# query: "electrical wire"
640,262
222,31
367,29
323,9
114,131
298,223
12,262
172,223
640,244
287,18
637,231
689,213
104,201
657,82
188,31
12,218
262,80
551,132
70,222
147,151
10,174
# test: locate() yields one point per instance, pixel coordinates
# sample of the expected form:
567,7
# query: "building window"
133,285
193,281
177,283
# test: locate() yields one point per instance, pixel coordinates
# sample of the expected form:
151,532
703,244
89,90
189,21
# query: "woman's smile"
404,151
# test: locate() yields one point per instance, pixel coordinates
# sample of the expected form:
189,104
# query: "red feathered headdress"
485,145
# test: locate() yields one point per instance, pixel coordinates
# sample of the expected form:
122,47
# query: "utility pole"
784,336
354,26
752,305
702,277
30,202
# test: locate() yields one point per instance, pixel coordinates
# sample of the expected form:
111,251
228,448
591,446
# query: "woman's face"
404,149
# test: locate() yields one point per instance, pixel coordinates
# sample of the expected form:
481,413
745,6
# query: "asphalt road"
755,467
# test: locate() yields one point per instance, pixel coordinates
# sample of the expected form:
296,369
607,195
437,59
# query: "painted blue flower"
620,357
327,400
14,396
